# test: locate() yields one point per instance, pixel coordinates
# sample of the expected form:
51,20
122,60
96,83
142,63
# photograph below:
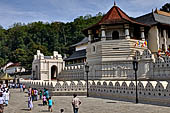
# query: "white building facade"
47,67
112,45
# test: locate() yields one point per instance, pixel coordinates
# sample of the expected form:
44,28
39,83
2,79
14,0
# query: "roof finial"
114,3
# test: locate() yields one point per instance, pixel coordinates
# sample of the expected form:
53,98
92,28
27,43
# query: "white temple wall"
157,92
73,73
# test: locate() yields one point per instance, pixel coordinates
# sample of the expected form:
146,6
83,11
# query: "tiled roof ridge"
119,15
162,13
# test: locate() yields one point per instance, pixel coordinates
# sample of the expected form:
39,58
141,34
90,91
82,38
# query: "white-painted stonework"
47,67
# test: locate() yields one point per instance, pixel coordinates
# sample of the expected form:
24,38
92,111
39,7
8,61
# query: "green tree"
166,7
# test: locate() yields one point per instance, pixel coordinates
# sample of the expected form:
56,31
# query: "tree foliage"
166,7
20,42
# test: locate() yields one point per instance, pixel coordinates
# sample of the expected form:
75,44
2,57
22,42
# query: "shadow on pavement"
25,109
40,104
44,111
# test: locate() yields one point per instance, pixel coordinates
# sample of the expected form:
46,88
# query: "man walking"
75,102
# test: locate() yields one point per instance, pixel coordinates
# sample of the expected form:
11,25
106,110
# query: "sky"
27,11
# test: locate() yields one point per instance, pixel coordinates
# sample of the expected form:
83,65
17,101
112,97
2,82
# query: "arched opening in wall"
53,72
115,35
35,76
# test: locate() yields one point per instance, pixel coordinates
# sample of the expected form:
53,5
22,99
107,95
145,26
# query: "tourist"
47,94
30,103
6,97
29,91
62,110
50,104
75,103
40,94
1,102
23,87
35,94
32,94
13,85
44,100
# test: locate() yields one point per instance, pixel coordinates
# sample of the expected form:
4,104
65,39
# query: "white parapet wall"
153,92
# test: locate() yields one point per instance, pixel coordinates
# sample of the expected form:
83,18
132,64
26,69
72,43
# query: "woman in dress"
30,103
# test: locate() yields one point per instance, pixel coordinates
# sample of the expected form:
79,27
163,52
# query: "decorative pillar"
90,36
165,41
126,26
103,30
142,31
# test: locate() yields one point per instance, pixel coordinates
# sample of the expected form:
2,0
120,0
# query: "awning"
5,76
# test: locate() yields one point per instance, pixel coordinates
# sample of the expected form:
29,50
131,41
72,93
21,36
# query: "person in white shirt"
76,103
6,97
1,102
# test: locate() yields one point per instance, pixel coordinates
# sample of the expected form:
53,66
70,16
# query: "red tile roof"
114,16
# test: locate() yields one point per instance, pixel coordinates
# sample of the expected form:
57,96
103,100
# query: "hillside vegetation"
20,42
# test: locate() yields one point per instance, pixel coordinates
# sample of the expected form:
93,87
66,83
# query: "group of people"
44,95
47,100
4,96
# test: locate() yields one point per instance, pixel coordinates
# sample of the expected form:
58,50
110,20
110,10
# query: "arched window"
115,35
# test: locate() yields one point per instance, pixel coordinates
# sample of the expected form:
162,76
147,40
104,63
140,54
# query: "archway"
53,72
115,35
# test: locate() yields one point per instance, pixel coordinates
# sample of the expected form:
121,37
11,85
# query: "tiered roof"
115,16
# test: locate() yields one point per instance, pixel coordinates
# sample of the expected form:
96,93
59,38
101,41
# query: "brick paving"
18,104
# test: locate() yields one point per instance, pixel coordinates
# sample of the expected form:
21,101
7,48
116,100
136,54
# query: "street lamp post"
87,71
135,68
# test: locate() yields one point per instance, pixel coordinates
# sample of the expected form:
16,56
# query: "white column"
90,35
126,26
157,36
103,30
142,33
165,41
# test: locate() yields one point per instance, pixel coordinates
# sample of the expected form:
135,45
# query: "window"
115,35
94,48
163,47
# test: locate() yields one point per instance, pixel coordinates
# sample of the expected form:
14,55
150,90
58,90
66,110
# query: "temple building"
159,30
79,55
112,45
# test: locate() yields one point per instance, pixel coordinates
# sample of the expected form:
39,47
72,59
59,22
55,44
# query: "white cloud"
67,10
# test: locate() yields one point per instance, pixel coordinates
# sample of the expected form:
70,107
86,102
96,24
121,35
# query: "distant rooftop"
77,55
155,18
85,40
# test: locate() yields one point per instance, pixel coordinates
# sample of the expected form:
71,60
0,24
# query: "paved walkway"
18,104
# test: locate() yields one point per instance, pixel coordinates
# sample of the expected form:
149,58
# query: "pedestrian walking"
40,94
76,103
30,103
36,94
23,87
6,97
50,104
1,102
44,100
32,94
47,94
